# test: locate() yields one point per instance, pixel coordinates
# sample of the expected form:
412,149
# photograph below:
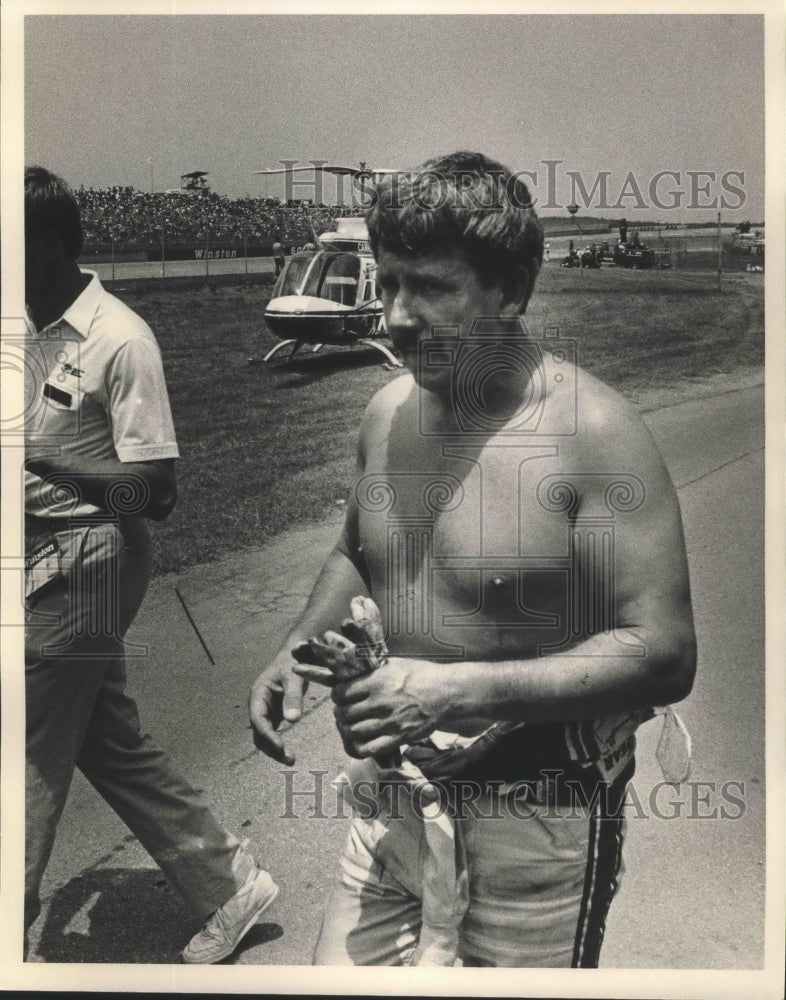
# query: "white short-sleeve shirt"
94,386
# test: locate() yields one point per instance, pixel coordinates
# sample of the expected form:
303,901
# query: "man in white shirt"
100,451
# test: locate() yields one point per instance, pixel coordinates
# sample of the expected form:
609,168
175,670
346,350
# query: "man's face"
421,294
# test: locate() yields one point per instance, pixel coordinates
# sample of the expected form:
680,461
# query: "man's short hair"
51,205
463,199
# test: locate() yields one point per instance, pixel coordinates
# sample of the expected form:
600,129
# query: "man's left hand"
400,702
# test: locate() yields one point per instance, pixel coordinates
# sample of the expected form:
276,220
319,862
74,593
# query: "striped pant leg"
603,871
542,879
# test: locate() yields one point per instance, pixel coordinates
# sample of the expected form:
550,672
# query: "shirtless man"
514,521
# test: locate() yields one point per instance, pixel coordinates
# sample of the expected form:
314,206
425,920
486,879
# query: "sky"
622,97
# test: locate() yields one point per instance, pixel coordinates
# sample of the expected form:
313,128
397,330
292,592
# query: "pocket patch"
42,566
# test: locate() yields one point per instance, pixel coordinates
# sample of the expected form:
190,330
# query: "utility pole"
720,252
573,209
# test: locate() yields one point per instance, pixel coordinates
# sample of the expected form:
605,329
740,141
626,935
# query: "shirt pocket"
62,397
59,420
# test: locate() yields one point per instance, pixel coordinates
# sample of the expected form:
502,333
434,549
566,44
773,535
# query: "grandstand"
131,224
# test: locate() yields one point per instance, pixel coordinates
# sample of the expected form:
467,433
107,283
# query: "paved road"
692,896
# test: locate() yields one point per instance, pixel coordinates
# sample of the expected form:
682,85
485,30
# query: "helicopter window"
291,279
339,279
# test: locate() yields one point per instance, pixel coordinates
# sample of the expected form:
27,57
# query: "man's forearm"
406,699
596,678
328,605
277,694
145,489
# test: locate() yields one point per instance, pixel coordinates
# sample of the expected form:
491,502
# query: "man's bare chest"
461,537
488,500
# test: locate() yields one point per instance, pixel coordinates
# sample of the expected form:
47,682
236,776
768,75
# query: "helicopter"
329,295
327,292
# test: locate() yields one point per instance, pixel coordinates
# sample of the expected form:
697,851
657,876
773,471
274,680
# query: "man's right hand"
276,696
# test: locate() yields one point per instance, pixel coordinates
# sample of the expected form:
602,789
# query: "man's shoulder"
601,409
118,324
610,427
390,396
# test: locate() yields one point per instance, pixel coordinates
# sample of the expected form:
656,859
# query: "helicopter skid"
365,341
280,347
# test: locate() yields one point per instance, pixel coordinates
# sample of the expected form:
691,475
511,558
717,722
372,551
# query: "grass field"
265,448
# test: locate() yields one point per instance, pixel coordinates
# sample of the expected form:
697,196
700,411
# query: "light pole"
573,209
720,252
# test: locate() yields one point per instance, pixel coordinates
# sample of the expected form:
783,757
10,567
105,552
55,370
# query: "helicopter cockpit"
324,275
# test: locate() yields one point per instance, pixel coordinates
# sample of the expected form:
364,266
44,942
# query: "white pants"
541,880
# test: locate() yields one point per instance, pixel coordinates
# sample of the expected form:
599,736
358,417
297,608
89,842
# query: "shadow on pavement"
116,915
125,915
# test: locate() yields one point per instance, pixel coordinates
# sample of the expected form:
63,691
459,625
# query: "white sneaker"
224,931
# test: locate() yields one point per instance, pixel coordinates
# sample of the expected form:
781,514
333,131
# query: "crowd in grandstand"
130,218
